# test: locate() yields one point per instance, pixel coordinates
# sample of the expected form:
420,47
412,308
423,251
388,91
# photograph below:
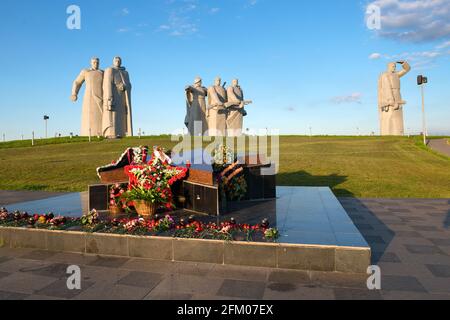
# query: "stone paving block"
172,296
5,295
336,279
239,272
251,290
356,294
109,262
289,276
59,289
421,249
26,283
38,255
299,293
189,284
148,265
22,265
440,271
141,279
401,283
194,268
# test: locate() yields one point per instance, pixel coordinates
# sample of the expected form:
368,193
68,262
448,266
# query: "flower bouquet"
117,204
150,185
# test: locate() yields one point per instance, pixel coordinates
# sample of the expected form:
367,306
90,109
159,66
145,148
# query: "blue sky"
303,63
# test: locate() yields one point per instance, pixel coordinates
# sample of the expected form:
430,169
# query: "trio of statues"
106,107
390,102
221,115
213,111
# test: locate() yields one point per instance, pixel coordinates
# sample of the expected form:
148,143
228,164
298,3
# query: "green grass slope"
368,167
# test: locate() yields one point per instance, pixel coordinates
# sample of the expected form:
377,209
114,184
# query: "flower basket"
115,210
145,208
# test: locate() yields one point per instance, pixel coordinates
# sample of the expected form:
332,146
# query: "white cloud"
179,22
422,59
414,20
123,30
375,56
214,10
125,11
352,98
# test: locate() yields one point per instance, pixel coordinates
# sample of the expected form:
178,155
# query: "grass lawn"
368,167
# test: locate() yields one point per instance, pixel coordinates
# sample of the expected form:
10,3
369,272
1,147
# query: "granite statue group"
213,111
221,115
107,100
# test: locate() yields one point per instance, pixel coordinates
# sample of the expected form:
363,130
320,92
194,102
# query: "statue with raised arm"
92,110
195,119
117,116
390,102
216,113
235,109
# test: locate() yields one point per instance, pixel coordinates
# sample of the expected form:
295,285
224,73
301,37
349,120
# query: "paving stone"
374,240
105,275
59,289
69,258
440,271
25,283
4,259
193,268
403,295
242,289
299,293
425,228
108,262
38,255
401,283
357,294
441,242
141,279
56,270
239,273
385,257
421,249
42,298
5,295
172,296
288,276
189,284
22,265
408,234
102,291
335,279
146,265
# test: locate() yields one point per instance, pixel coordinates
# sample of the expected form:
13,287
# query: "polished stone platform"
303,215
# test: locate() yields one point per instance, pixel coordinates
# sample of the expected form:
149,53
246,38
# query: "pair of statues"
107,100
222,115
390,102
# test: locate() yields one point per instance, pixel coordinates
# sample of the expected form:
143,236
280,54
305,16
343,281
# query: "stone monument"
195,119
117,116
390,102
92,110
235,109
216,113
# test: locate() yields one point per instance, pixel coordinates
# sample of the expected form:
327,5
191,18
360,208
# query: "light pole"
46,121
421,81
